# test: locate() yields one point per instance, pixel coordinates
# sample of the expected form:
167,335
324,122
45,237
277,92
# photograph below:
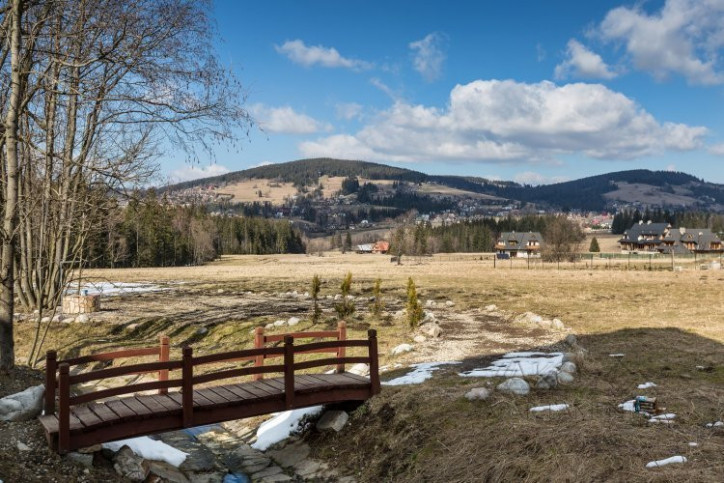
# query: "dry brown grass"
247,191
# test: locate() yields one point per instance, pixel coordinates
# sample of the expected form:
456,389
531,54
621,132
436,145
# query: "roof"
519,241
367,247
645,229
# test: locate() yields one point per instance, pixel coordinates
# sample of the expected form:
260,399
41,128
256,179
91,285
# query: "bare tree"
97,88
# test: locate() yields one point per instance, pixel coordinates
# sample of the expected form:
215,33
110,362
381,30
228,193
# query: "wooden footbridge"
200,396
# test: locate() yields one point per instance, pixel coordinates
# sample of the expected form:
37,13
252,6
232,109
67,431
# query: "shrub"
414,309
345,307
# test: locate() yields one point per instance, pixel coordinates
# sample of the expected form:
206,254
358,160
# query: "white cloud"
348,110
285,120
670,167
384,88
507,121
188,173
685,37
536,179
540,52
581,62
429,56
717,149
299,53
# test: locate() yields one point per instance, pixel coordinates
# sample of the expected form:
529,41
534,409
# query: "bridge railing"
189,380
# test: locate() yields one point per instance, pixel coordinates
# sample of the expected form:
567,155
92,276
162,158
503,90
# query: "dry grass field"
667,323
247,191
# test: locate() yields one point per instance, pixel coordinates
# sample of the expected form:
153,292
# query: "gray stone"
212,477
360,369
514,385
22,446
569,367
332,421
129,465
166,472
547,381
310,468
557,324
201,330
270,471
449,303
565,378
431,329
22,406
419,338
401,349
279,323
82,319
269,326
84,459
275,478
45,320
293,321
221,290
571,340
430,303
478,394
491,308
291,455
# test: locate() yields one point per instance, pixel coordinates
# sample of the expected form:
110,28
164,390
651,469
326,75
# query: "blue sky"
530,91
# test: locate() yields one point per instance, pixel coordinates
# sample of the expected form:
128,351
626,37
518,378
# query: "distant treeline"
623,220
150,232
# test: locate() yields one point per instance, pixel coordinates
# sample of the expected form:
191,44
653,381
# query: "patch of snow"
619,355
716,424
281,426
667,461
552,407
519,364
693,444
421,373
150,449
115,288
646,385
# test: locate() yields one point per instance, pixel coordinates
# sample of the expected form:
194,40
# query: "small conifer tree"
594,248
346,306
314,291
414,309
377,305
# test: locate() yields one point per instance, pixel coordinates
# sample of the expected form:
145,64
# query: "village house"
381,247
521,245
661,238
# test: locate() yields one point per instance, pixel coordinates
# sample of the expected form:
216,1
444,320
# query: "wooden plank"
138,407
239,391
275,383
123,411
273,388
85,415
230,396
257,391
103,412
106,356
211,394
166,401
201,400
153,406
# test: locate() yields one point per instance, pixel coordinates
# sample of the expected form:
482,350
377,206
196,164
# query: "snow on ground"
115,288
281,426
150,449
618,355
667,461
421,373
693,444
646,385
552,407
518,364
716,424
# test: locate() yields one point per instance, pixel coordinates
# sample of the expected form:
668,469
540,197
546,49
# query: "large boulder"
514,385
565,377
129,465
332,421
22,406
431,329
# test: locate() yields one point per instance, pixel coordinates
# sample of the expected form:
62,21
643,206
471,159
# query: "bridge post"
187,387
163,354
289,371
64,409
51,366
341,351
258,344
374,362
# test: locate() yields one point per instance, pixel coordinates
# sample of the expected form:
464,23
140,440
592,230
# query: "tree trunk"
10,217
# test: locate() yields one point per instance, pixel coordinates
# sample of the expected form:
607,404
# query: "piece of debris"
667,461
646,385
667,418
716,424
617,356
551,407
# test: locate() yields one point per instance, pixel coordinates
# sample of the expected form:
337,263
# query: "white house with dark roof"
521,245
662,238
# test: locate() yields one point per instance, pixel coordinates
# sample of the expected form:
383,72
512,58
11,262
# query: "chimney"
682,230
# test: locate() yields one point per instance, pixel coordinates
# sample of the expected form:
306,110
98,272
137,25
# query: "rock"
84,459
431,329
267,472
360,369
570,356
514,385
91,449
291,455
449,303
269,326
306,295
22,406
431,304
295,294
329,297
478,394
57,318
165,472
201,330
293,321
529,318
350,297
546,324
571,340
332,421
45,320
22,446
569,367
279,323
337,297
82,319
557,324
547,381
491,308
221,290
565,377
429,316
401,349
419,338
129,465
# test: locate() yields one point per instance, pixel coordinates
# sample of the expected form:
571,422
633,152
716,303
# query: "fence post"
51,366
341,351
258,344
374,362
64,409
163,354
289,372
187,387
